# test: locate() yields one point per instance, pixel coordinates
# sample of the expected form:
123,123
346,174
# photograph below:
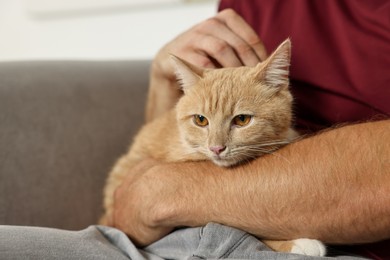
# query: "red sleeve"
340,56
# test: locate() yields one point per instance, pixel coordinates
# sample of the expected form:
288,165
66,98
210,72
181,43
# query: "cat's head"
231,115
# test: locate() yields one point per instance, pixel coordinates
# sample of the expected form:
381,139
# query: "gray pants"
212,241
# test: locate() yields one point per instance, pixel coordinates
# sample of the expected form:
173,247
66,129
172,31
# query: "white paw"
305,246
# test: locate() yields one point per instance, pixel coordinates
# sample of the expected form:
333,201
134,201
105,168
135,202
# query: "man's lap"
98,242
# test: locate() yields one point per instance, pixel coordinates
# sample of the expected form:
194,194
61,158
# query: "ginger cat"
227,116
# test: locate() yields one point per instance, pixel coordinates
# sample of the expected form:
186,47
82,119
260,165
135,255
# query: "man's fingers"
224,45
240,27
228,39
219,50
225,40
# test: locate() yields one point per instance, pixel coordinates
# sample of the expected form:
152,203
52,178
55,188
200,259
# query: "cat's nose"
217,149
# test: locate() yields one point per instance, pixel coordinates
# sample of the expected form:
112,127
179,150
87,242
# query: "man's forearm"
334,187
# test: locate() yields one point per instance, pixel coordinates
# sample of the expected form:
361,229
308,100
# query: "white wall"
113,33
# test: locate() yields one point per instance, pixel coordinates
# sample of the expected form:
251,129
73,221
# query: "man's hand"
148,203
136,202
225,40
156,198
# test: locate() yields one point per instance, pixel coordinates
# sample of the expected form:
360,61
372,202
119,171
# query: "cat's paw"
305,246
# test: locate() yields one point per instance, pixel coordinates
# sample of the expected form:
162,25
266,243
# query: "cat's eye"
241,120
200,120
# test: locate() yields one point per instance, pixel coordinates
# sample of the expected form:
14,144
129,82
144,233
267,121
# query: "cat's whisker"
273,145
256,149
245,151
276,142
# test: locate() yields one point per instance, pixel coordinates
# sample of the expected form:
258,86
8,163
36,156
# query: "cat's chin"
224,162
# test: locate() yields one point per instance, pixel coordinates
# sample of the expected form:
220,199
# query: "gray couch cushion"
62,125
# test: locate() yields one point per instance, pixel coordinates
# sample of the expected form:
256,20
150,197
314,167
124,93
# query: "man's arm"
334,186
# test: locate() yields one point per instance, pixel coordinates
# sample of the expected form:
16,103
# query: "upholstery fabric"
62,126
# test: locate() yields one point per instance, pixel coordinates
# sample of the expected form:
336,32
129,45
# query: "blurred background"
94,29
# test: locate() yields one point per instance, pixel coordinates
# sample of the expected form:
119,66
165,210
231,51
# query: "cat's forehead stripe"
224,91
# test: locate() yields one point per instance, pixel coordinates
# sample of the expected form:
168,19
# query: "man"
334,186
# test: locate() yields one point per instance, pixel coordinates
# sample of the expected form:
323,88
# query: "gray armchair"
62,126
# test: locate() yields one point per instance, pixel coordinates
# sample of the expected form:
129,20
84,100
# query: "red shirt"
340,67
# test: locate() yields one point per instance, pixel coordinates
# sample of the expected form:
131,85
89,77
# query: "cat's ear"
186,73
275,69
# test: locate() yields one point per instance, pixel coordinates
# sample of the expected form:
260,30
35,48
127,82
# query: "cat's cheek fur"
194,144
